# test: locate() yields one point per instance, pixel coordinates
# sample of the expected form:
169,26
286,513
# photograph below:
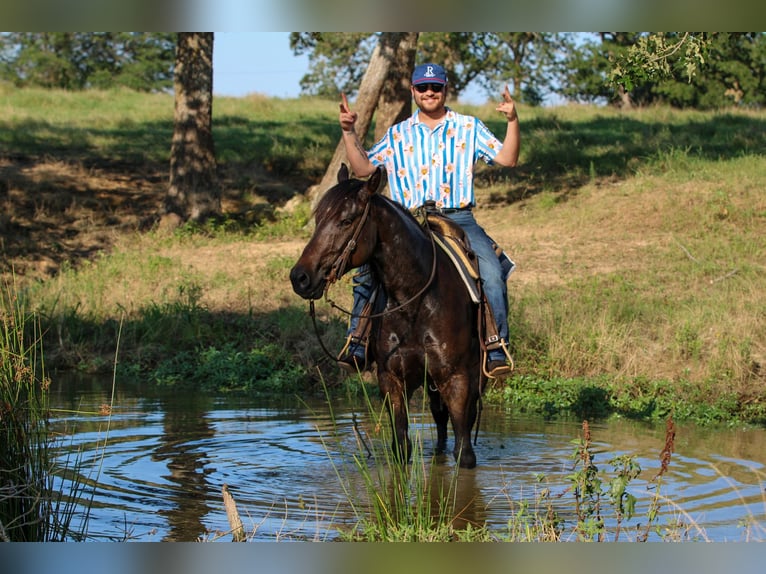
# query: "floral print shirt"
425,164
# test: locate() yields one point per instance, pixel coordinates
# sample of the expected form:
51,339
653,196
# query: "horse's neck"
404,258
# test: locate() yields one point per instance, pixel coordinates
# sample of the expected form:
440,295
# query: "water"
158,464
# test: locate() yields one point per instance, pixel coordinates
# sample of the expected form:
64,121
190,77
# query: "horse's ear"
343,173
377,180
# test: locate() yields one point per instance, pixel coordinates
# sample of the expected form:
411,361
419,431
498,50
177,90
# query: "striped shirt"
425,164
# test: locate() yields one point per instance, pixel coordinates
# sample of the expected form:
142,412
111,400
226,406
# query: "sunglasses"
435,88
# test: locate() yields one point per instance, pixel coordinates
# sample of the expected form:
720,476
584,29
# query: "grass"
638,238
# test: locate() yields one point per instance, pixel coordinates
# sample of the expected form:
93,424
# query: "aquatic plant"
35,505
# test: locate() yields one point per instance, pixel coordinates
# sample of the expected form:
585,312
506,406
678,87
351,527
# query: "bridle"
340,266
341,263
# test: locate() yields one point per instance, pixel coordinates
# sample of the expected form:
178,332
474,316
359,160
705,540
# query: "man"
430,157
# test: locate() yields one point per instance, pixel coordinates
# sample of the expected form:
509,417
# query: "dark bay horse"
427,333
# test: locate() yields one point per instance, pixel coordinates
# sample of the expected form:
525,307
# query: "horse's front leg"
393,391
441,417
462,402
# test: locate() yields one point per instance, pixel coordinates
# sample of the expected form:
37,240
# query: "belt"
449,210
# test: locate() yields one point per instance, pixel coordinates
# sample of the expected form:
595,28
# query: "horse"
427,334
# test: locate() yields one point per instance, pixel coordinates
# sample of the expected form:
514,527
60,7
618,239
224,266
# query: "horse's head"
344,236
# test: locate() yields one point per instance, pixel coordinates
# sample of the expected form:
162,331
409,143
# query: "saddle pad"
465,267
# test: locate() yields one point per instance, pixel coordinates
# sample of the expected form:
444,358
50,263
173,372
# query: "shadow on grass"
563,155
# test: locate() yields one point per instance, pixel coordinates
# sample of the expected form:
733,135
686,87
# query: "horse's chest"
409,343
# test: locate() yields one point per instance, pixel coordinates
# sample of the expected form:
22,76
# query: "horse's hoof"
466,460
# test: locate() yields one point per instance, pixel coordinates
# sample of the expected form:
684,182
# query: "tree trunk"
193,192
391,64
625,101
395,102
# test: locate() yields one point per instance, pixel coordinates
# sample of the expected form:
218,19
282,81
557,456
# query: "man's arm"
355,152
509,154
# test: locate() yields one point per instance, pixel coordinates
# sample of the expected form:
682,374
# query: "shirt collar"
415,118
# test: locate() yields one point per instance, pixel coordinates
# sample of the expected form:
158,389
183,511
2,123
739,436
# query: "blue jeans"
492,273
493,277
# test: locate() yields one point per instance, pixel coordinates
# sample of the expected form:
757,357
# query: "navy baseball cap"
429,74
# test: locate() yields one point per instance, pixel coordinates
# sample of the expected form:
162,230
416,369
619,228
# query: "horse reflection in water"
427,332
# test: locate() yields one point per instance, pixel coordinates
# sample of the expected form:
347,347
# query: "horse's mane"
334,198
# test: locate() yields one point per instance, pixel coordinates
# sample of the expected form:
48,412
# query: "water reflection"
185,427
161,460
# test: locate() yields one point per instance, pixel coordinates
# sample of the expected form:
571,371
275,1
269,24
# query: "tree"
732,72
585,74
193,192
337,60
683,69
392,58
395,100
81,60
526,61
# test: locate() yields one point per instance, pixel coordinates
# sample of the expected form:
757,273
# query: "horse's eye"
346,222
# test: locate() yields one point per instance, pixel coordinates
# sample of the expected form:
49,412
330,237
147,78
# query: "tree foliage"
337,60
731,71
683,69
526,61
589,64
78,60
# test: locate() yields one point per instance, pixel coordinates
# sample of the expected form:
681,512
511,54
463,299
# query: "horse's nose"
300,280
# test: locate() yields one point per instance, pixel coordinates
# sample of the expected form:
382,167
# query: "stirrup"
349,360
353,364
497,368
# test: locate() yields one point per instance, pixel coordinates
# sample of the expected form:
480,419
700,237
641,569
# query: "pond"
156,466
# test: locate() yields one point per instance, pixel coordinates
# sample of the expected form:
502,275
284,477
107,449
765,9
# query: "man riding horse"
430,157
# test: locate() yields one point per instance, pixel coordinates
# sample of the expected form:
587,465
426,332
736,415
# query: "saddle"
451,238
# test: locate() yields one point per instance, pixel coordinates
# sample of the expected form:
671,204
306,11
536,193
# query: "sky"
256,62
262,62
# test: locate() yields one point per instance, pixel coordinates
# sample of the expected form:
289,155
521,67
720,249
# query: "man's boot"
499,363
353,356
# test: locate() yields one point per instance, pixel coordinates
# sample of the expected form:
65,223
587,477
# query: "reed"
398,502
35,504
